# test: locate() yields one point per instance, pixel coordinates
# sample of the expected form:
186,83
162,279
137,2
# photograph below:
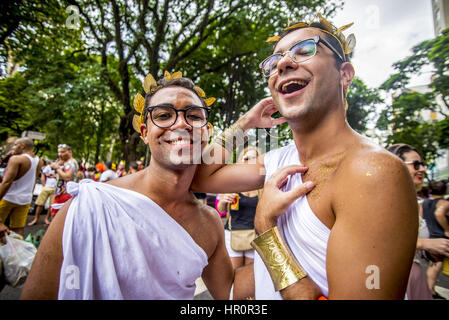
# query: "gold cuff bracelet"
232,138
278,259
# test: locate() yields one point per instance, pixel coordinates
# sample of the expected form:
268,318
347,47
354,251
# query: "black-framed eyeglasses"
416,164
299,52
165,115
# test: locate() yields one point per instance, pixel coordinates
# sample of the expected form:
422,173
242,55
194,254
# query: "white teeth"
299,82
179,142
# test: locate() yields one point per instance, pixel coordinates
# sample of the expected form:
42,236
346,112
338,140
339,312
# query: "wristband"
278,259
232,138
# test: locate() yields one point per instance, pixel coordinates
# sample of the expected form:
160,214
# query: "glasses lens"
417,164
163,116
196,117
303,50
270,64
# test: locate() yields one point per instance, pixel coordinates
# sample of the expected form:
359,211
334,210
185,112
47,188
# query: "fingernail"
309,184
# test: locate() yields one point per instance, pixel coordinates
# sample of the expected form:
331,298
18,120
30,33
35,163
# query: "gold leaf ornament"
326,24
343,28
175,75
136,123
139,103
273,39
209,101
350,44
149,82
199,91
296,25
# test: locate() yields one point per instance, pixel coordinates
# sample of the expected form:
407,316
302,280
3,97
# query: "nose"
181,123
286,63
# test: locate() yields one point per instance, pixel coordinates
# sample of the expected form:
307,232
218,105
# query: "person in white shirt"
108,174
145,235
16,189
48,180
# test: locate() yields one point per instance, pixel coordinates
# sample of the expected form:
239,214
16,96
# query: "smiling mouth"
179,142
292,86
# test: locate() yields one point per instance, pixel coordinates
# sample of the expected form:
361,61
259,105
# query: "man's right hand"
259,116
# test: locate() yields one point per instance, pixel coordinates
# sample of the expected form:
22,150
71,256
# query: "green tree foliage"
362,102
73,81
403,118
215,42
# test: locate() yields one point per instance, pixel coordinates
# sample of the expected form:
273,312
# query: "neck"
330,135
169,185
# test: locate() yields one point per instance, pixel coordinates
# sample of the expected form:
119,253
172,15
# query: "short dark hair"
438,187
163,83
400,148
133,164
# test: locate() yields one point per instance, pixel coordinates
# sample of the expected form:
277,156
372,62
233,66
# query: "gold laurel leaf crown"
347,44
150,86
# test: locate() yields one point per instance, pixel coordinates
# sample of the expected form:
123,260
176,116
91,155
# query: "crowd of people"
18,182
315,219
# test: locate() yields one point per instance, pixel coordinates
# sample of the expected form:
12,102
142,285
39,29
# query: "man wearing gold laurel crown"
141,236
354,234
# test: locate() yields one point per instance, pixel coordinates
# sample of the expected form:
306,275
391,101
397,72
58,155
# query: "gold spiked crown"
347,44
150,85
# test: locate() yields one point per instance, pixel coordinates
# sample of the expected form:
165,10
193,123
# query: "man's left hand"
274,202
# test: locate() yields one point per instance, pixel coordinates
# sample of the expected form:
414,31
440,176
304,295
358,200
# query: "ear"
207,132
346,75
210,129
144,133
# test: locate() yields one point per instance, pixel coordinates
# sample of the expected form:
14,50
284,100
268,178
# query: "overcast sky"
385,31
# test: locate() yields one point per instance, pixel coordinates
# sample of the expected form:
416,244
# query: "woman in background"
426,248
241,209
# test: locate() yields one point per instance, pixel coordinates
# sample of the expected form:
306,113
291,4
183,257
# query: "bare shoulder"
18,159
371,174
443,204
211,216
369,163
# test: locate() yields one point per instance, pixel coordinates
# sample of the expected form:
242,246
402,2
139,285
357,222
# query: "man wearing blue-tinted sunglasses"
354,235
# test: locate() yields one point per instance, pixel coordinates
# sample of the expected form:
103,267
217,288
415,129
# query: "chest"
194,220
324,175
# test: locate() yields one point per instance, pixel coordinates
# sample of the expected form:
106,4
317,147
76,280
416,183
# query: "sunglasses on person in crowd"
416,164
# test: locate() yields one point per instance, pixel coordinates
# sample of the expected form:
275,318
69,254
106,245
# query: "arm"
43,280
373,241
224,202
213,175
10,176
272,204
43,179
441,214
39,168
66,176
218,274
436,246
